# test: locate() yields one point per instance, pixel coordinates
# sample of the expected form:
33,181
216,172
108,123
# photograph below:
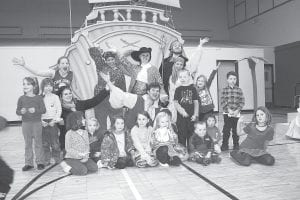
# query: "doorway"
225,67
269,83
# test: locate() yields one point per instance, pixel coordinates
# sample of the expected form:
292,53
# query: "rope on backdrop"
70,19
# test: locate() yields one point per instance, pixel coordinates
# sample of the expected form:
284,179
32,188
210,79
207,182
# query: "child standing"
202,146
259,134
95,138
213,132
163,141
31,107
49,122
117,149
206,104
232,102
77,147
141,134
186,104
178,65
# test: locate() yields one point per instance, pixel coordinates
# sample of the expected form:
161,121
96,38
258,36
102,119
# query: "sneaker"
66,168
175,161
40,166
164,164
27,168
99,164
2,196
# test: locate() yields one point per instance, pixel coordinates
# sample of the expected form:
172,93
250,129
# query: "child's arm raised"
212,75
193,64
21,62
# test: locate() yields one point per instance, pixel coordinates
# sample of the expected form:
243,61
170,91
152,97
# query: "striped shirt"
232,98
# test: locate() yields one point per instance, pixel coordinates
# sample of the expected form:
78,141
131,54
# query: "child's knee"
270,160
82,171
121,163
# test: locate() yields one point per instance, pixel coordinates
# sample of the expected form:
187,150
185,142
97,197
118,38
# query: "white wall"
209,59
276,27
11,76
42,57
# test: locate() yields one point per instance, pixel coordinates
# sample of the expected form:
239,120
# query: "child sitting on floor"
95,138
117,149
140,135
202,146
163,141
259,134
213,132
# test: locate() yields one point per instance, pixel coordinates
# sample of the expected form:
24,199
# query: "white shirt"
120,138
150,106
143,75
53,107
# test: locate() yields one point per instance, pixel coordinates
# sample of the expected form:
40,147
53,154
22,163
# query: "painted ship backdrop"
126,25
129,25
121,25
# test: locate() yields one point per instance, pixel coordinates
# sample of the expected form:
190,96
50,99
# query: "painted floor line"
131,185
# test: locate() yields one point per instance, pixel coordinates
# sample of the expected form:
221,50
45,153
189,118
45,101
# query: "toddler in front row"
164,141
201,146
95,138
213,132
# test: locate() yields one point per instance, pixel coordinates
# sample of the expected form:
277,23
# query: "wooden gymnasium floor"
281,181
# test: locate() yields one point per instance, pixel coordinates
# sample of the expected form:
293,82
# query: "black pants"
124,162
230,124
6,177
185,129
203,116
62,136
246,159
163,157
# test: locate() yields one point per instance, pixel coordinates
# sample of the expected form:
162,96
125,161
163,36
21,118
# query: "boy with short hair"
232,102
186,104
201,146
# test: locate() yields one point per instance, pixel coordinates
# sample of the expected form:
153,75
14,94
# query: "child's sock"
164,164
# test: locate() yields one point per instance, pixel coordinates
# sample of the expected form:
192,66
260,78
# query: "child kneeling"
201,146
77,147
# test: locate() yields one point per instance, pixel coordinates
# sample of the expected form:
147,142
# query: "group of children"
53,119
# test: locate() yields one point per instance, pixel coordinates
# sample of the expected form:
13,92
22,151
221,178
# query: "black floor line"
32,181
231,196
42,186
296,142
